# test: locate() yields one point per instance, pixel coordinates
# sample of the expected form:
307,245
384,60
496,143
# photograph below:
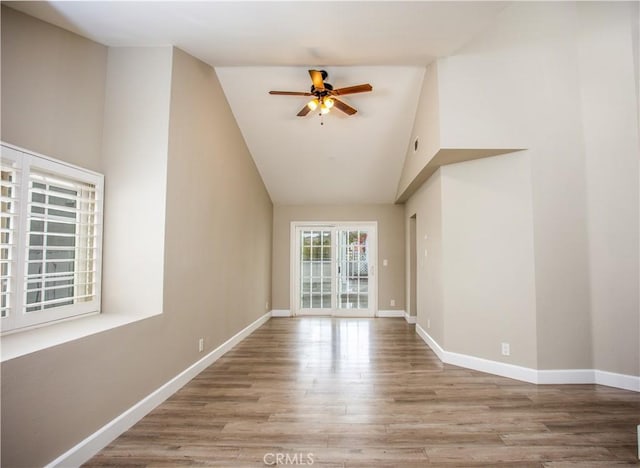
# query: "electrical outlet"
385,262
392,302
506,349
201,345
428,323
266,305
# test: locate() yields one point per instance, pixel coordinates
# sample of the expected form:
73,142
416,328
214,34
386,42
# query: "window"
51,229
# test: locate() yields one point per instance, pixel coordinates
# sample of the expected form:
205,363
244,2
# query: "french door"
333,269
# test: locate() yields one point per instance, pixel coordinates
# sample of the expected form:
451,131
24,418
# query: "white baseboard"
502,369
611,379
566,376
281,313
390,313
354,313
526,374
87,448
381,313
431,343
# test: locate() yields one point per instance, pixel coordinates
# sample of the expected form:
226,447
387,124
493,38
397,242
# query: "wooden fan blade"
316,77
363,88
346,108
304,111
290,93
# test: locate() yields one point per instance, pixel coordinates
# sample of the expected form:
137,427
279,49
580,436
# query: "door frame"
294,267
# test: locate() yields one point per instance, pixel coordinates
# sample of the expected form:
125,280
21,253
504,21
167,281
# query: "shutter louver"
61,250
9,217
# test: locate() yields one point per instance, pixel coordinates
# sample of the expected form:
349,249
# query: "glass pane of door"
316,280
353,269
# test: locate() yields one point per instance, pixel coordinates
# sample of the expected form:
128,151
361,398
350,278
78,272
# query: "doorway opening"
413,270
333,269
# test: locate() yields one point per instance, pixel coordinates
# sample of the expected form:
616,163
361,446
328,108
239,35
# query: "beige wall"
412,266
218,270
579,125
426,129
390,246
134,163
53,399
610,121
476,284
45,108
426,205
488,259
492,95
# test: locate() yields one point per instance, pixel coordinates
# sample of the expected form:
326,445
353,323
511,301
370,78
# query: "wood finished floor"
370,393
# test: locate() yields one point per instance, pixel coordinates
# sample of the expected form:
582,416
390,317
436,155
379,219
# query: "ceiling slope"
348,159
259,46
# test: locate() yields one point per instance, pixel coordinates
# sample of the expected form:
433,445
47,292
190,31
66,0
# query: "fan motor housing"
327,87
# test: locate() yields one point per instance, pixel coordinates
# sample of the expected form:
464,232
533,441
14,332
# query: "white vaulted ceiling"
259,46
348,159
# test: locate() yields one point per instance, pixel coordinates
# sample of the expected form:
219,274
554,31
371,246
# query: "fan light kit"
324,96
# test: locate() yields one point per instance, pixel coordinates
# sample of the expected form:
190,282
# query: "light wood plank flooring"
370,393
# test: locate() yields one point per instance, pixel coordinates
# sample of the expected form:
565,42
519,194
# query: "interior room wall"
426,205
534,80
134,163
488,273
476,284
83,384
610,120
412,263
575,180
219,217
56,93
493,90
391,244
63,383
426,129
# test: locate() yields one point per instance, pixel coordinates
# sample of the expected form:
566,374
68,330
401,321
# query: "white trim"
431,343
281,313
611,379
32,165
409,318
87,448
346,313
49,158
502,369
294,267
566,376
526,374
314,313
390,313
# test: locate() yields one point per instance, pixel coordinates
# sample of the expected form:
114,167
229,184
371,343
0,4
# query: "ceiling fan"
324,96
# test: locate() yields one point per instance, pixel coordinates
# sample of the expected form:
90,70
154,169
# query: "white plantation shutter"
10,175
61,242
56,246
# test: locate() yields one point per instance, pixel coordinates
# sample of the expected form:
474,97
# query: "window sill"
30,341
